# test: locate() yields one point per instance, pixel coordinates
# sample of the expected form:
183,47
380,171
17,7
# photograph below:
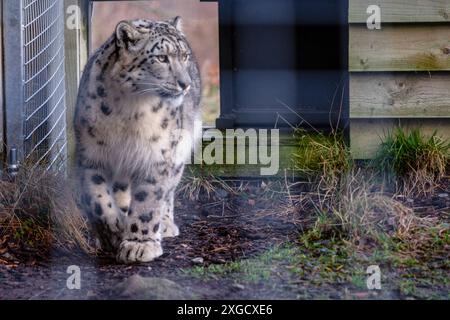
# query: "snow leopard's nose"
183,85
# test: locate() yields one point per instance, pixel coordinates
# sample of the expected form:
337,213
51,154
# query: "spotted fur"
137,103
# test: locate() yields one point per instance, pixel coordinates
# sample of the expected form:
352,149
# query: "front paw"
135,252
170,230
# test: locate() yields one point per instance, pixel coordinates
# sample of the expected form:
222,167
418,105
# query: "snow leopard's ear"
177,22
128,36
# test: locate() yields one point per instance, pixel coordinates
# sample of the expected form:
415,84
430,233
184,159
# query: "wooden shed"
399,75
394,76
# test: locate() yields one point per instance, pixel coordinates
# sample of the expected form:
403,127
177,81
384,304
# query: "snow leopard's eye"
163,58
184,56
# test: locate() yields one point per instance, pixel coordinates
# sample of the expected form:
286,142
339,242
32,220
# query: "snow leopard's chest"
151,132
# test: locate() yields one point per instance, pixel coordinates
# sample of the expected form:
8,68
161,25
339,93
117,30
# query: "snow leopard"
135,125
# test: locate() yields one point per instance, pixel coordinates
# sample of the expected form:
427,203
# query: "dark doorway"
284,63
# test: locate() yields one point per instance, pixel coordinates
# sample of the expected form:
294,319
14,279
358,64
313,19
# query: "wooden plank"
76,53
287,145
400,48
399,95
366,134
250,170
401,10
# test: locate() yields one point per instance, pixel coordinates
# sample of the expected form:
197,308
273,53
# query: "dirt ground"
229,250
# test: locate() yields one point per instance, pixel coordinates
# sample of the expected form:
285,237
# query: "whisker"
150,83
147,90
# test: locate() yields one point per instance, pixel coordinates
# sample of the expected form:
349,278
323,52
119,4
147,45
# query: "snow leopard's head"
155,57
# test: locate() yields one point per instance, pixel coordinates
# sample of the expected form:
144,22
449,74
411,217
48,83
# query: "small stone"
335,296
8,256
443,195
252,235
140,288
204,213
361,295
222,194
198,260
251,202
238,286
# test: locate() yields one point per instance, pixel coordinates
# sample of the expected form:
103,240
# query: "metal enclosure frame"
34,81
13,84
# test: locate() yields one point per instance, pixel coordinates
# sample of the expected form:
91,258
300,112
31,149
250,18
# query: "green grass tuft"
415,163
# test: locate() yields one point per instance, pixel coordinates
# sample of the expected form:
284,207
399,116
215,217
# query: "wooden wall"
399,75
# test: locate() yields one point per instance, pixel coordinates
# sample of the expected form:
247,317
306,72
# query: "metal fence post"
13,75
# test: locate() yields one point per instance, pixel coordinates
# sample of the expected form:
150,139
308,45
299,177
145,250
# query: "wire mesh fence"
38,113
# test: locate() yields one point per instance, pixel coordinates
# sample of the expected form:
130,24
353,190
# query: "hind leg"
101,209
169,228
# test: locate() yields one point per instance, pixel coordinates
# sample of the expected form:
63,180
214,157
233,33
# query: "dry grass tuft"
196,186
38,213
321,156
359,212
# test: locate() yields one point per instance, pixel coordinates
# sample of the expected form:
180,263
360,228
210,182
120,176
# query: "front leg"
142,234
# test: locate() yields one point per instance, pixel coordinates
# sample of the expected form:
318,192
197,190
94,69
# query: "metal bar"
49,97
226,47
48,133
30,4
47,82
45,119
56,158
41,15
3,150
49,63
42,32
53,144
13,87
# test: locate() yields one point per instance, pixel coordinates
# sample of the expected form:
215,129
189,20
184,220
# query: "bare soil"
214,231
